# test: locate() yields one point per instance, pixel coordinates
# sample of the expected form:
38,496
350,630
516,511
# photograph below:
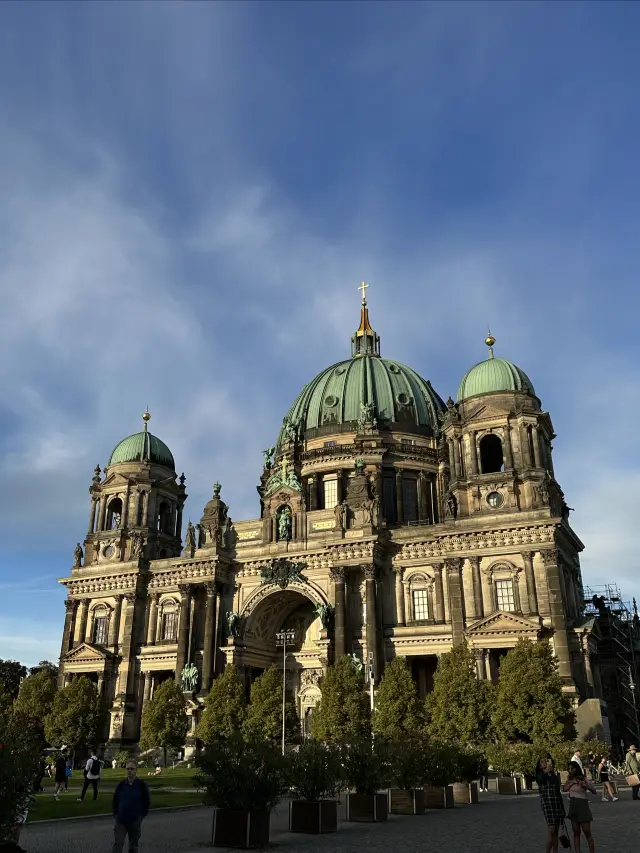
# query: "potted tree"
407,760
365,768
503,758
439,769
314,778
465,787
243,781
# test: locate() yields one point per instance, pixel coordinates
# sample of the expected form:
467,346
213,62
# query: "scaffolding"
619,655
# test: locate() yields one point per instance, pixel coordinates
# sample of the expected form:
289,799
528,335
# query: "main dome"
142,447
335,398
494,375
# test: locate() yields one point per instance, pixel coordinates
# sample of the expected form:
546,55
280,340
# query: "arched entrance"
268,612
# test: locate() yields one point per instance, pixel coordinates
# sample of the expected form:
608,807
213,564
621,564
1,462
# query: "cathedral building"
390,523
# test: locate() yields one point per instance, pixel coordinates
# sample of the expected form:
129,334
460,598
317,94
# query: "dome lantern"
364,341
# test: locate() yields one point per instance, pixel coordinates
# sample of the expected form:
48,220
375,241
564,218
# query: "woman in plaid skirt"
550,800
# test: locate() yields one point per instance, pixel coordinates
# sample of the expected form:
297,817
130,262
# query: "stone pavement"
495,825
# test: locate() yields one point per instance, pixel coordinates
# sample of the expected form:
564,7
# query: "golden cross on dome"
363,287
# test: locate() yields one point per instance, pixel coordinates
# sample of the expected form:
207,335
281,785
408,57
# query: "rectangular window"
169,626
504,596
330,488
389,499
410,499
100,631
330,443
420,604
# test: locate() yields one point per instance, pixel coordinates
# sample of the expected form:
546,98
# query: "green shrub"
407,761
366,766
241,775
441,765
315,771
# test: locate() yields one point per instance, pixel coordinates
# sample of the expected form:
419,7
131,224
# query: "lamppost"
282,638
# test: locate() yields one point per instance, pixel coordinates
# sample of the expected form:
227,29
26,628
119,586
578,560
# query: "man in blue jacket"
130,807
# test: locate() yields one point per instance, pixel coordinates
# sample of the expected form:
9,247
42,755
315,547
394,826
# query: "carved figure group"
367,416
326,612
137,545
189,677
290,429
268,456
234,623
282,572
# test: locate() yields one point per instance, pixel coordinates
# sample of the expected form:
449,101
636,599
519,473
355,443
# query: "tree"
264,713
459,707
35,699
343,714
77,715
164,720
530,705
398,710
44,664
225,707
11,674
19,762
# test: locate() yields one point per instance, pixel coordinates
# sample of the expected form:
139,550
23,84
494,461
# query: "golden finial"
490,341
146,417
363,287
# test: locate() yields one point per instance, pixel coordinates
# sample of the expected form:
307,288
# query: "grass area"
46,808
180,777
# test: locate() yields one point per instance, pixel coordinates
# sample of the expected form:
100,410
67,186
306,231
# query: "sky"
191,193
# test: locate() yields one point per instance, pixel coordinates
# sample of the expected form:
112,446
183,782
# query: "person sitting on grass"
130,806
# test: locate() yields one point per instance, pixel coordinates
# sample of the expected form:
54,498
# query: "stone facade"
376,537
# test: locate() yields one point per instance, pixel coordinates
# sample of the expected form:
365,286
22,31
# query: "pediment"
502,622
116,479
486,413
85,653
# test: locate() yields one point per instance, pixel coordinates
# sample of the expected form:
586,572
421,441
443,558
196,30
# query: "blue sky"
190,194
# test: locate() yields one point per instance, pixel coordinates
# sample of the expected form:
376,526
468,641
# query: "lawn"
46,808
180,777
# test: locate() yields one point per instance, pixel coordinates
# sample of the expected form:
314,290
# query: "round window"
495,499
394,368
331,401
109,551
404,399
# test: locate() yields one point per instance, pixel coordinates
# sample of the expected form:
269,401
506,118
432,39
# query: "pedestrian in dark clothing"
92,771
130,807
60,774
550,800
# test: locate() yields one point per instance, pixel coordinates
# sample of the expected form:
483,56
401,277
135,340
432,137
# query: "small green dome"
336,396
142,447
493,375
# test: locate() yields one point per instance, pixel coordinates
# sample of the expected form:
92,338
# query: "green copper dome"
142,447
393,393
493,375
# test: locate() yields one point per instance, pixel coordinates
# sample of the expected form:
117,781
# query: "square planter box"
411,801
439,798
464,793
509,785
240,830
368,808
313,817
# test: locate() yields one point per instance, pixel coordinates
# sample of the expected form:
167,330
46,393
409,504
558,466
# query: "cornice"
467,544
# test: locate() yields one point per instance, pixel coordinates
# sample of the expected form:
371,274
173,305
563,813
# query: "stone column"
92,515
82,621
473,446
70,606
399,497
178,530
560,637
126,500
476,580
313,492
453,567
400,613
103,513
481,664
421,496
456,458
438,610
100,683
90,625
517,598
115,623
338,576
532,595
144,497
183,633
146,691
524,446
588,671
128,666
370,574
153,618
208,652
508,449
536,447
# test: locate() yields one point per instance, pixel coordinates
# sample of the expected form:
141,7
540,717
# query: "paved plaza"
496,824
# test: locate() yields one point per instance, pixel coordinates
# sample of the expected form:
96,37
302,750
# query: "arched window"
114,514
420,598
164,517
410,498
503,579
169,621
100,626
491,458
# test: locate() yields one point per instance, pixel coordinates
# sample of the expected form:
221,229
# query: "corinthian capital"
338,573
549,557
370,571
453,564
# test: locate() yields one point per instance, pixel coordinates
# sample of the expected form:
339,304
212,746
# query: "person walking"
60,778
130,807
631,771
92,771
550,800
607,787
592,764
579,810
